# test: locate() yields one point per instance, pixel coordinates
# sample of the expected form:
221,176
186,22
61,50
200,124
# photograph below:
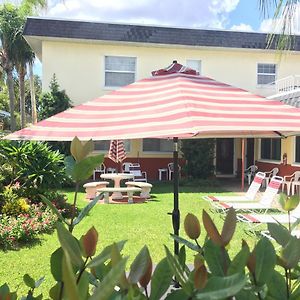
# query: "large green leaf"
277,286
161,279
69,245
185,242
83,285
107,285
222,287
69,278
291,253
265,261
84,169
87,209
56,263
214,258
104,255
279,233
139,265
177,295
69,164
239,262
179,273
246,294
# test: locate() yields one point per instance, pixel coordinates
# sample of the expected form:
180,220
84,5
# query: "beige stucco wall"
79,67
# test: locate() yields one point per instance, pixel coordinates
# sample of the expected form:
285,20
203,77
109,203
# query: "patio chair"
288,181
171,170
263,205
269,175
139,176
125,166
100,170
248,197
255,220
250,173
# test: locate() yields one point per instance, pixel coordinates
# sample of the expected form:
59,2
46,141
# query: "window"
270,149
266,73
297,149
194,64
157,145
104,145
119,70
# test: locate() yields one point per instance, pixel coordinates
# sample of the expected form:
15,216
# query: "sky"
238,15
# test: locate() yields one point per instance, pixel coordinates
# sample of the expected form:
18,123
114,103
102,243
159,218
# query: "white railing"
287,84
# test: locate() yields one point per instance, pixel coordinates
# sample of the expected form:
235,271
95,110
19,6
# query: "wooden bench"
91,188
128,190
145,186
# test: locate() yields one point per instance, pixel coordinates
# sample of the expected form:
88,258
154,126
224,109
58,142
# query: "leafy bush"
35,165
199,156
16,230
15,207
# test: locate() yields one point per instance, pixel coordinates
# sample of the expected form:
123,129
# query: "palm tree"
285,16
12,21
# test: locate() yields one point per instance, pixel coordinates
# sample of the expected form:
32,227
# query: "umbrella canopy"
175,103
117,151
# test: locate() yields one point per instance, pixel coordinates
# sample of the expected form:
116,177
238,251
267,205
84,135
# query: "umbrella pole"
176,212
243,163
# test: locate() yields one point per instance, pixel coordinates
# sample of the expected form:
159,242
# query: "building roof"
84,30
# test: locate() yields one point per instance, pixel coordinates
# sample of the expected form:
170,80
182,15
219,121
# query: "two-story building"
91,59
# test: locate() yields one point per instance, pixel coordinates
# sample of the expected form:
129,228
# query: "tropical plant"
35,165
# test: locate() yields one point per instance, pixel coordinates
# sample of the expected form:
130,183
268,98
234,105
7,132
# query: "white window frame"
294,163
267,74
108,87
199,61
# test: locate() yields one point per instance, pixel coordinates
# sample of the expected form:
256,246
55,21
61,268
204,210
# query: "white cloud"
192,13
242,27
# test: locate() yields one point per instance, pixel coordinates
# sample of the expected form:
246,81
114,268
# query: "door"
250,153
224,156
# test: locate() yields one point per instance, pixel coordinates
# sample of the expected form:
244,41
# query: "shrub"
16,230
35,165
199,155
15,207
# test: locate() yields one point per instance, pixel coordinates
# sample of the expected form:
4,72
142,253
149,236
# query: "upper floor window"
194,64
266,73
104,145
270,148
157,145
119,70
297,149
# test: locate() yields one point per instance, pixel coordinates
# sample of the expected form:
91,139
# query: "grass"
140,224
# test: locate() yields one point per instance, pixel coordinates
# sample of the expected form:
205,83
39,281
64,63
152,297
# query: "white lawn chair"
263,205
288,181
248,197
100,170
250,173
270,175
139,176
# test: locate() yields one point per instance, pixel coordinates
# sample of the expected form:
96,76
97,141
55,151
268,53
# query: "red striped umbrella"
117,151
177,104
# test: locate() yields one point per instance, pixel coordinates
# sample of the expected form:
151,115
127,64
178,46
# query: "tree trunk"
11,93
32,93
22,71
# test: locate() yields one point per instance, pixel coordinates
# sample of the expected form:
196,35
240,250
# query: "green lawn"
140,224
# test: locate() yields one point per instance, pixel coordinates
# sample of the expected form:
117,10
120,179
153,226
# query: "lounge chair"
248,197
263,205
139,176
255,220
